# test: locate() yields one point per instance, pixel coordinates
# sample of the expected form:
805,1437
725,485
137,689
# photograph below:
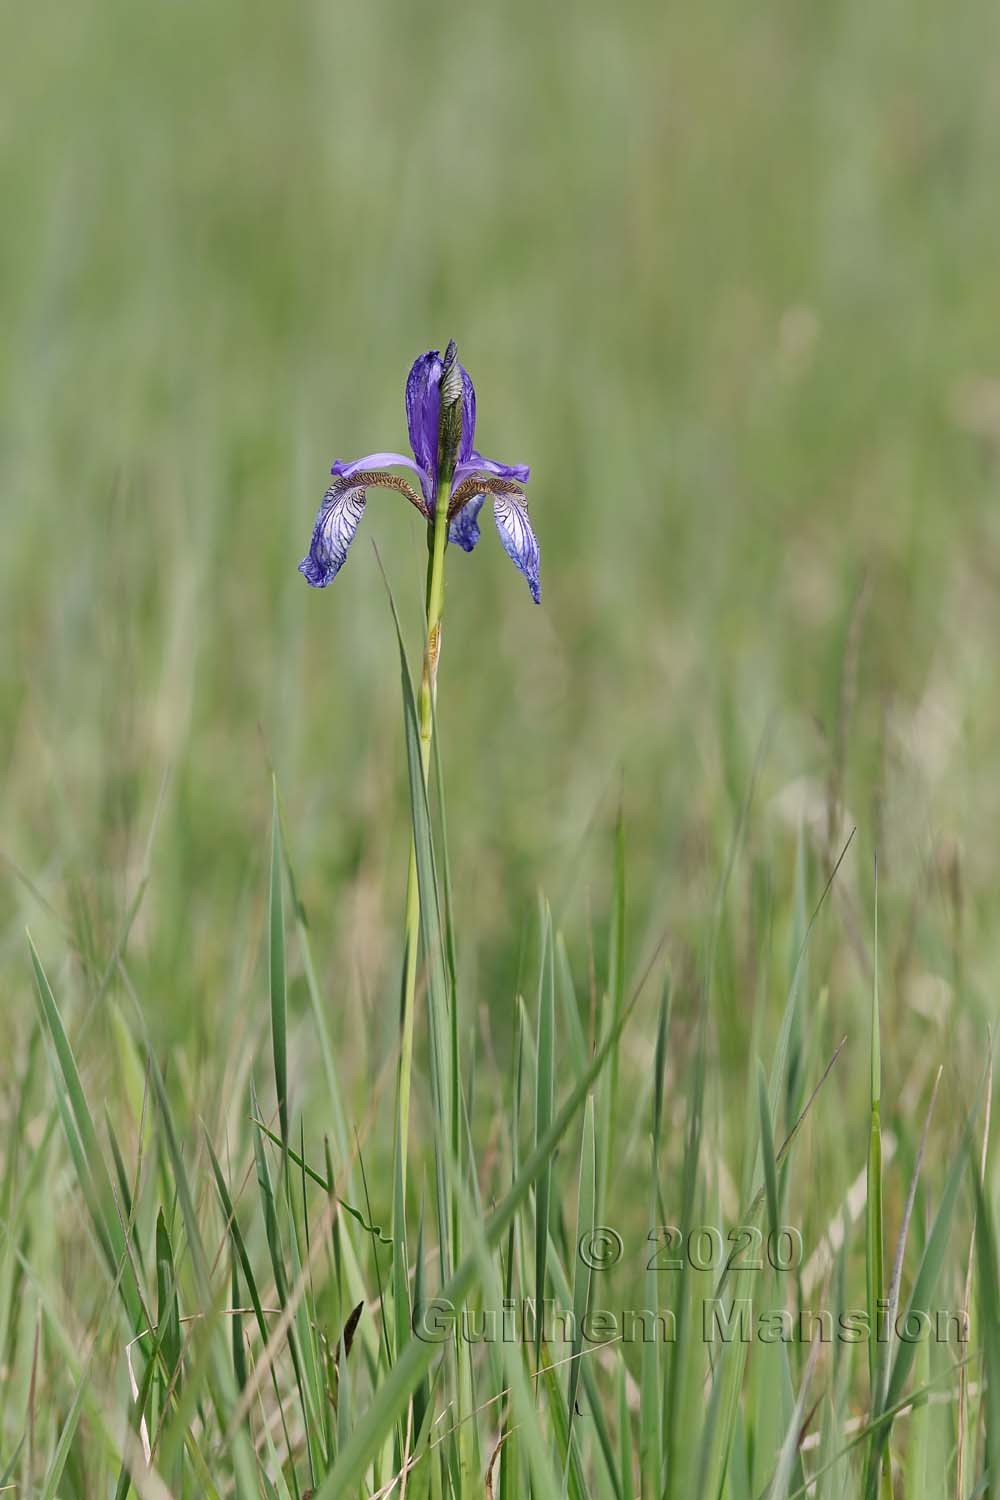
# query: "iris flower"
472,478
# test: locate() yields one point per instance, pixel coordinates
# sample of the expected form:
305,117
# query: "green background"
725,278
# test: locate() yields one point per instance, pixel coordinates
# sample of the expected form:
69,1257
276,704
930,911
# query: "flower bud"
450,425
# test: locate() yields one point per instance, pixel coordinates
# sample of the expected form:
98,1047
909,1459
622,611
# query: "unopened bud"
450,428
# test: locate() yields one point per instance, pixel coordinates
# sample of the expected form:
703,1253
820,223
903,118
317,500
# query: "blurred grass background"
726,278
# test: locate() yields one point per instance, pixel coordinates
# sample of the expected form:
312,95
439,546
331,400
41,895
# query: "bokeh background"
725,276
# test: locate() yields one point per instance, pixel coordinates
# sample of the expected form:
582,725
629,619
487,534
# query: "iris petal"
519,541
386,461
423,415
336,522
464,530
343,470
475,463
423,410
465,448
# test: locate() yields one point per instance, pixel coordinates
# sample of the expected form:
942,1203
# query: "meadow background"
726,278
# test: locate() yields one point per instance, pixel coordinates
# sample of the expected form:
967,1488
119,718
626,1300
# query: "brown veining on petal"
482,484
370,478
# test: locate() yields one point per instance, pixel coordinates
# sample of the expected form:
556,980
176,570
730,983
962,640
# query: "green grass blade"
921,1300
616,996
168,1317
440,1053
276,968
569,1009
785,1469
651,1434
585,1220
53,1479
544,1101
82,1137
874,1270
767,1151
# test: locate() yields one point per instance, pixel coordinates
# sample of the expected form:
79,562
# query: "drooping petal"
464,530
336,522
341,511
519,541
423,410
477,464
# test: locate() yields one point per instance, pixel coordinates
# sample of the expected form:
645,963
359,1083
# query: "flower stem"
438,541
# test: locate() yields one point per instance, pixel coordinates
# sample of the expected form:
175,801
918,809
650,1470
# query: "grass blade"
544,1097
585,1220
276,969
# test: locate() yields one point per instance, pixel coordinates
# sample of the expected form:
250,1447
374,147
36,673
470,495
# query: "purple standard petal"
477,464
520,544
423,410
423,416
465,449
464,530
337,521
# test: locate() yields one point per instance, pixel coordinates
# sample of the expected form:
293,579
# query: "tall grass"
276,1341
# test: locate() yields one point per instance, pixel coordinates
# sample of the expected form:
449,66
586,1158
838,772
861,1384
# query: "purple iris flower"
473,477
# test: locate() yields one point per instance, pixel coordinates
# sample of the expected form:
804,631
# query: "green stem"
428,684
